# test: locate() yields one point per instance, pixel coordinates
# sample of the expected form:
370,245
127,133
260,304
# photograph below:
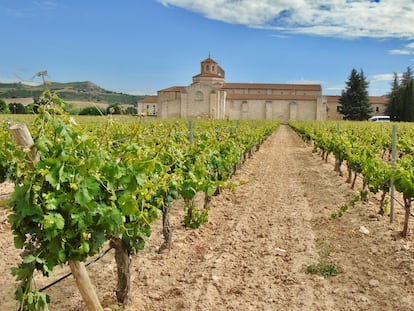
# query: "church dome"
210,72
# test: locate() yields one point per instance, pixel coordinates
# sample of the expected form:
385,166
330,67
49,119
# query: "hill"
72,91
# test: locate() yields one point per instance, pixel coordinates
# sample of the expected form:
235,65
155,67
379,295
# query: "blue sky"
141,46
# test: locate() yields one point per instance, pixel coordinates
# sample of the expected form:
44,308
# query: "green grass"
322,268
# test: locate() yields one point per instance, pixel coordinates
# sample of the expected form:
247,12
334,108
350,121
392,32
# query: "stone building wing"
210,96
379,104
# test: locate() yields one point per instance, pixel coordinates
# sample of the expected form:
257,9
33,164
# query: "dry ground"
253,252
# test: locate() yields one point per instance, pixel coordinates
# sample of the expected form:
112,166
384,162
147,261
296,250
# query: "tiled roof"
213,75
332,98
149,100
172,89
209,60
378,99
372,99
269,97
289,87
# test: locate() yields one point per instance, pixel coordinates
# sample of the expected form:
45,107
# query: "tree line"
354,100
355,104
401,98
18,108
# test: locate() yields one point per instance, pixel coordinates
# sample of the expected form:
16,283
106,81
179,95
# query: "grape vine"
367,147
108,181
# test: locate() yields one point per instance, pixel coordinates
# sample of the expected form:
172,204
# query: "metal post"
190,128
393,156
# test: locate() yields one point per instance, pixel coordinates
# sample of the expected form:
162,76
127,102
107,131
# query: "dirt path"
253,252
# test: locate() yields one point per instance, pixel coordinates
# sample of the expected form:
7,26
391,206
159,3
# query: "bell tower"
209,66
210,73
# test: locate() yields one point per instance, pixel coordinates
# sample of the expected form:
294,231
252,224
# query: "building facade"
378,103
210,96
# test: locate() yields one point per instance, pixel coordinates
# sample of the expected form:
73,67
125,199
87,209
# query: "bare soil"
254,251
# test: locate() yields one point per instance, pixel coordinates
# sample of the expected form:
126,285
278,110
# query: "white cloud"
144,91
304,81
401,52
6,80
408,50
384,77
45,4
335,88
26,82
341,18
380,84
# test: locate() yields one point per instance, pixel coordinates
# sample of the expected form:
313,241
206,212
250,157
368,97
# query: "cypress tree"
407,96
394,100
355,104
4,108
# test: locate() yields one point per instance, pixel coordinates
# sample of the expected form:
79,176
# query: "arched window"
199,95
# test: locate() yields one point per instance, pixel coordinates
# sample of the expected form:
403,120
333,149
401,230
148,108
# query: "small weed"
322,268
344,207
231,186
364,195
195,218
325,267
384,208
355,198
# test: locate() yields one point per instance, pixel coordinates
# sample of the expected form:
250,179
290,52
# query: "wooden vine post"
85,286
338,160
23,138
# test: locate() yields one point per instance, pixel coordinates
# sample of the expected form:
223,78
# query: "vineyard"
266,209
381,154
79,186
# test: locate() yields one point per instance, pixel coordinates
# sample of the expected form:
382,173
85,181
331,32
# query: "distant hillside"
71,91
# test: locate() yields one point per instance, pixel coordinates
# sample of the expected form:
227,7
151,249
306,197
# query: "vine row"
107,180
367,150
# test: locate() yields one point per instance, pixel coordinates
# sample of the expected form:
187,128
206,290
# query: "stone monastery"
210,96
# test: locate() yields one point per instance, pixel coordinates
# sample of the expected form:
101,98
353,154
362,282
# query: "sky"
141,46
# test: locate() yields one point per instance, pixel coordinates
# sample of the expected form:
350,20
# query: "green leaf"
188,190
62,256
53,177
29,259
84,248
110,219
18,240
128,204
82,196
52,204
93,186
43,144
78,220
53,220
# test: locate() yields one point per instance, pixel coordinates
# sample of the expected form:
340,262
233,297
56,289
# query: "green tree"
131,110
394,100
407,96
114,109
401,98
91,111
31,108
4,108
17,108
355,104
